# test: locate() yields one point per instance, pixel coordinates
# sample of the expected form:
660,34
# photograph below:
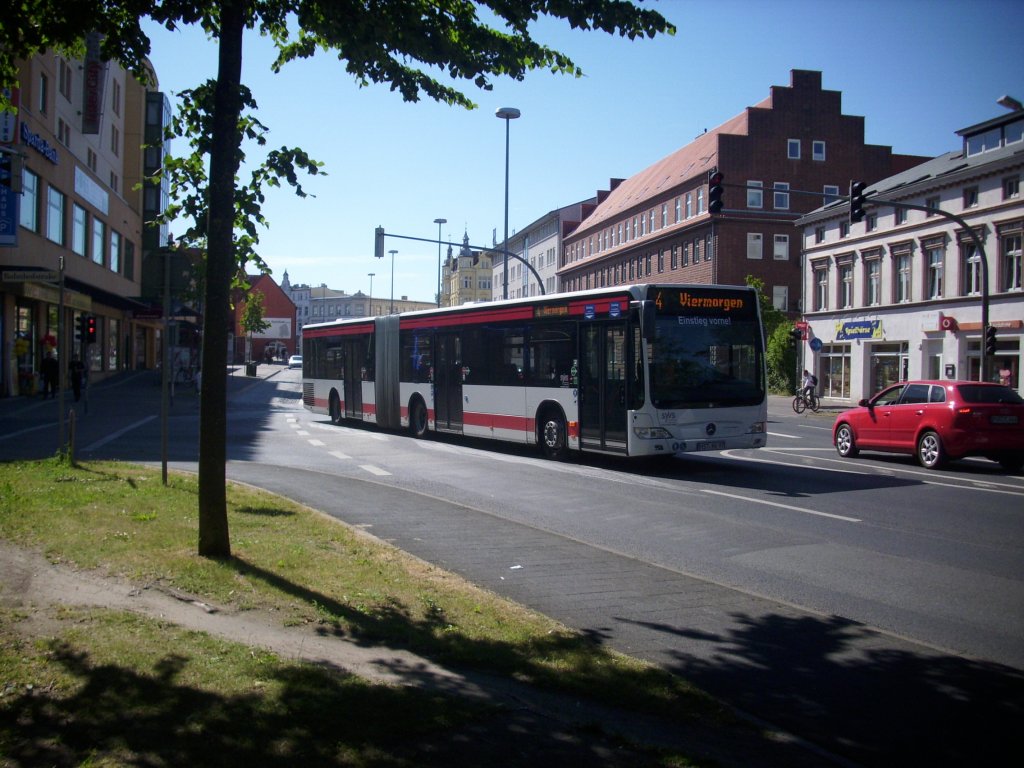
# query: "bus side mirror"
647,321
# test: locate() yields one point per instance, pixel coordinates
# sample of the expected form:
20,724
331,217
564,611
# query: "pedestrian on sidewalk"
49,372
76,372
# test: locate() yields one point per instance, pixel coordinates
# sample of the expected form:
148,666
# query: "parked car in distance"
295,361
937,421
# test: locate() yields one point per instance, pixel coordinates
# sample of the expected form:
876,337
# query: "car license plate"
710,445
1002,418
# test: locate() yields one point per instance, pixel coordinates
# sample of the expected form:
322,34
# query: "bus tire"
418,417
552,433
334,408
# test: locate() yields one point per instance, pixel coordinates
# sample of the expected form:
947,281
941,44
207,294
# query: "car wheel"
845,445
553,436
334,408
930,453
418,418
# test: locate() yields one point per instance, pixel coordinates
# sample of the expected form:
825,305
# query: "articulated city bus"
635,370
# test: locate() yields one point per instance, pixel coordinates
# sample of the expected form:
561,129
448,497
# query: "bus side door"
603,382
448,381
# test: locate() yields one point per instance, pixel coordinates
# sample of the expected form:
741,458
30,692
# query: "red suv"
937,421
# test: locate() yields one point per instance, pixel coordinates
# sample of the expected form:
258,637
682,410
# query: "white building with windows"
898,295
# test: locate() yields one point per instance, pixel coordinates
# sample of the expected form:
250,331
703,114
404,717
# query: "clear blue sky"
916,70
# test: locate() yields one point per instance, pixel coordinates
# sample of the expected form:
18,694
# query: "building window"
781,196
99,241
871,222
661,262
935,258
1011,188
819,235
679,209
932,204
700,200
1011,259
901,215
115,251
970,269
970,197
79,229
64,79
846,285
755,194
821,287
54,216
831,193
115,140
44,94
780,297
63,132
115,98
874,282
664,215
818,150
903,278
686,254
90,160
708,249
28,217
689,204
793,149
650,218
675,258
844,228
115,183
754,240
781,250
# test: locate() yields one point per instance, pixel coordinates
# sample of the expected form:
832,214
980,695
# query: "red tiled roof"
695,159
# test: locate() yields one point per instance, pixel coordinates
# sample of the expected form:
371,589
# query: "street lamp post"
506,114
392,311
371,274
439,222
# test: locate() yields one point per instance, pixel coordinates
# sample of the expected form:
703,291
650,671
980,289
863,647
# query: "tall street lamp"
370,275
392,311
506,114
439,222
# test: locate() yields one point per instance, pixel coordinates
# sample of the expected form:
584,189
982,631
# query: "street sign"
815,344
21,275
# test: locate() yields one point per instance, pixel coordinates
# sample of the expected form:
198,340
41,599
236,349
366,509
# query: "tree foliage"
780,356
419,48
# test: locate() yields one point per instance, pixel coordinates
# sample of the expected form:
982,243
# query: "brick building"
277,342
655,225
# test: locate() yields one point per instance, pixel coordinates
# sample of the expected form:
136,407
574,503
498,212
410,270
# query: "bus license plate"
710,445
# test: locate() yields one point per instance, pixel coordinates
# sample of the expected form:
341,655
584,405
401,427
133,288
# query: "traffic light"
857,201
990,340
378,242
796,336
90,329
715,190
79,328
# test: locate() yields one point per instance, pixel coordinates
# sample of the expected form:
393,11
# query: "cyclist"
810,381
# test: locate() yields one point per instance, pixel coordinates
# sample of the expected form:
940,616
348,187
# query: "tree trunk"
214,540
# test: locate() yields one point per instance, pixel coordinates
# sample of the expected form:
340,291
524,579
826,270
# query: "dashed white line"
374,470
804,510
340,455
317,443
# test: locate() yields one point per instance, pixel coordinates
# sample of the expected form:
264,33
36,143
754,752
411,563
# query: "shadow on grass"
312,717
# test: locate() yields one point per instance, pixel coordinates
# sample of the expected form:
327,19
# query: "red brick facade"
650,227
279,310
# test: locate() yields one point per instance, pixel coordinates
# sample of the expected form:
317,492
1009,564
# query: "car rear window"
976,393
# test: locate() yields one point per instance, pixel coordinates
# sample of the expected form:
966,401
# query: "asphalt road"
869,608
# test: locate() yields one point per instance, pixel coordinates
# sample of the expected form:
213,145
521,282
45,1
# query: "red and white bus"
635,370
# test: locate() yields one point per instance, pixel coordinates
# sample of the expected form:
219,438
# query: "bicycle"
802,402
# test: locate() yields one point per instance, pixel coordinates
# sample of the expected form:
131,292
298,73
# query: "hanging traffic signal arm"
857,201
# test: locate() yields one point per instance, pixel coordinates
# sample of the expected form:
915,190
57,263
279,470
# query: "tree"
779,355
393,42
252,320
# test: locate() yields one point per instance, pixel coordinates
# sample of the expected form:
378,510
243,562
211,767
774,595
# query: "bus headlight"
757,428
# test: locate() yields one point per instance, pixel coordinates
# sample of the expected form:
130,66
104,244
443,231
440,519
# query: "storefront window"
834,374
889,364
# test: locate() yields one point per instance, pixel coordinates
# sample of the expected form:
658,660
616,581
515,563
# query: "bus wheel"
552,434
335,408
418,418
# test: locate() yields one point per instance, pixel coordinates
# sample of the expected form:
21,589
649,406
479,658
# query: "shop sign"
859,329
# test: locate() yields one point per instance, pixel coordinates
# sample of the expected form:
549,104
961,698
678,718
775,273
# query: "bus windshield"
706,351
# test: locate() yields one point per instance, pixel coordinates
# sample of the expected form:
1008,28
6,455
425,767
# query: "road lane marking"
804,510
340,455
317,443
779,434
115,435
374,470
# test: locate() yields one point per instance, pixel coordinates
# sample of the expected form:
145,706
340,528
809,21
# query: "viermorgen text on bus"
636,370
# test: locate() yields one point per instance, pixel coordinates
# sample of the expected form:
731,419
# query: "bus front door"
603,395
448,382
